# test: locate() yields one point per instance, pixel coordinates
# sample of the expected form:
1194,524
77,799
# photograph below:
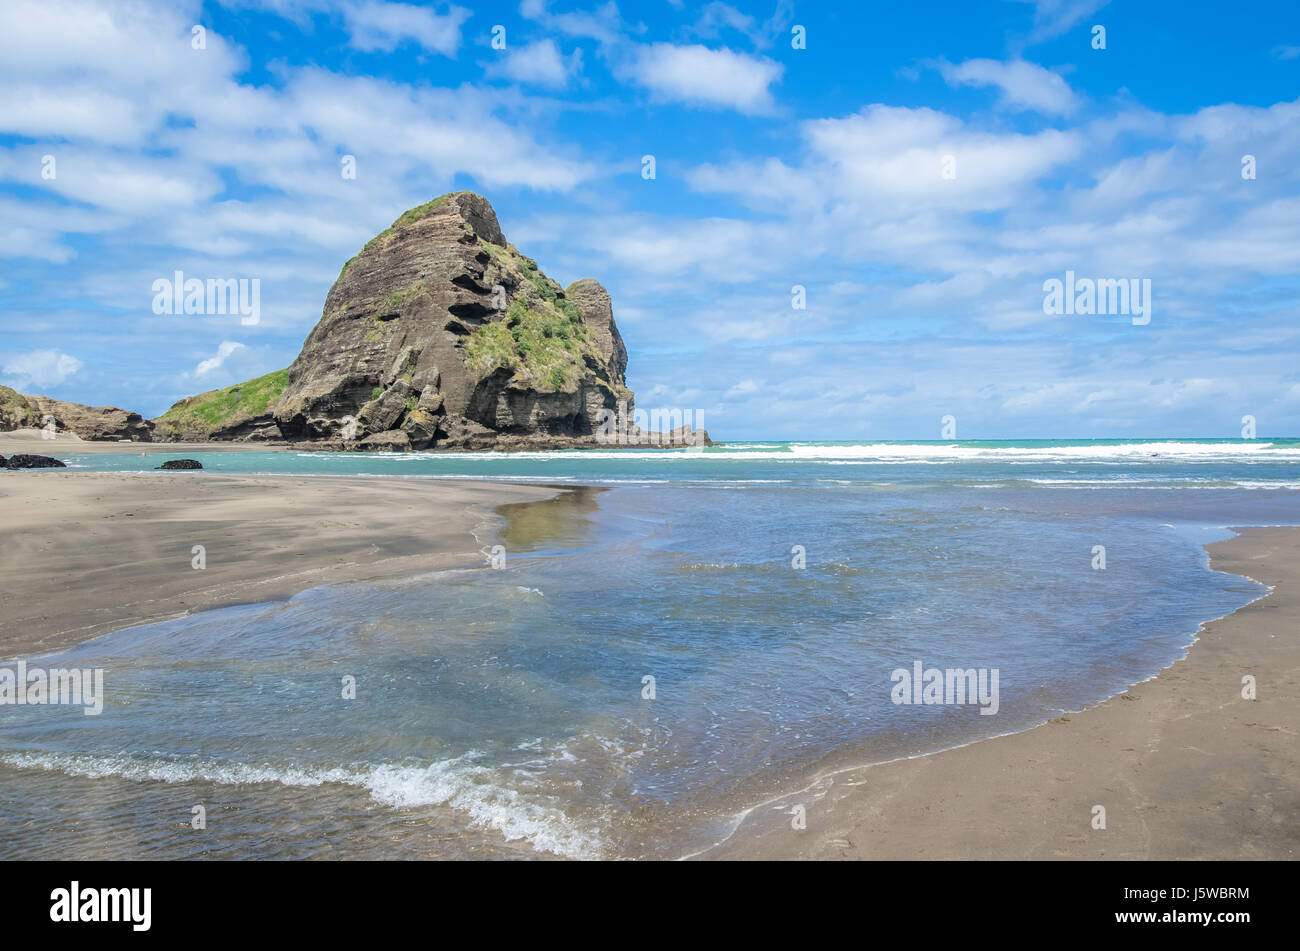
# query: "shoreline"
31,441
127,539
1032,794
1151,754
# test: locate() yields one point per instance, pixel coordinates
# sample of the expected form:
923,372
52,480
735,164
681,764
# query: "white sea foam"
887,452
473,790
1164,482
1183,451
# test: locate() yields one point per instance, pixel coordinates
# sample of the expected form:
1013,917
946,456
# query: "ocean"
684,636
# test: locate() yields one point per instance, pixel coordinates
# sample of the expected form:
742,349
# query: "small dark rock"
24,461
181,464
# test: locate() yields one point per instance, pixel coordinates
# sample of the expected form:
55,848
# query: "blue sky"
821,167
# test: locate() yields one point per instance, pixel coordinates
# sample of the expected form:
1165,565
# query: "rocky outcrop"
181,464
24,460
21,411
439,333
597,311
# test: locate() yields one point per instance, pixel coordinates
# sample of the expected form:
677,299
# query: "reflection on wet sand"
560,522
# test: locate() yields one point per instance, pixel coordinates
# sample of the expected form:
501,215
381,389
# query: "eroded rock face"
440,333
598,314
22,411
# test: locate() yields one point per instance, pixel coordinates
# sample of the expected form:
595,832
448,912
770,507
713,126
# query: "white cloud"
746,387
39,368
1024,85
716,18
149,134
448,131
602,24
1054,17
72,112
37,228
109,72
541,63
113,182
375,25
699,76
661,249
893,158
214,362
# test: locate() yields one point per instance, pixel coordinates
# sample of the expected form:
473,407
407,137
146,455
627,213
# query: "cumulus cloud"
158,145
376,25
699,76
540,63
39,368
602,24
1054,17
171,158
892,160
745,387
1023,85
214,362
105,72
716,18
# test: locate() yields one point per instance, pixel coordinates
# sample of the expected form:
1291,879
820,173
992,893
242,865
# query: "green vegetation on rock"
542,345
570,310
15,411
442,287
502,255
547,289
412,215
543,285
202,414
394,301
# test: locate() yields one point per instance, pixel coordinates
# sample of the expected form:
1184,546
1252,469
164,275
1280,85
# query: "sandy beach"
1183,765
62,444
82,554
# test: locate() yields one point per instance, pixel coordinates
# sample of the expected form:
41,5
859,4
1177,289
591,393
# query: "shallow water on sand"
505,713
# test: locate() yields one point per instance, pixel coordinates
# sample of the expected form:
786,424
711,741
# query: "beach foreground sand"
82,553
1183,765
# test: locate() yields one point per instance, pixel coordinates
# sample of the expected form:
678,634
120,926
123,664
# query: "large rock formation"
440,333
21,411
437,334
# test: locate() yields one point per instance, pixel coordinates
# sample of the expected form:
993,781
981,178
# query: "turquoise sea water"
504,713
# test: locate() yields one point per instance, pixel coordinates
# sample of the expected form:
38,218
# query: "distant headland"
438,334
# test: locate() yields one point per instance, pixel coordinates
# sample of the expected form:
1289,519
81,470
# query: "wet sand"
32,441
85,553
1184,767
